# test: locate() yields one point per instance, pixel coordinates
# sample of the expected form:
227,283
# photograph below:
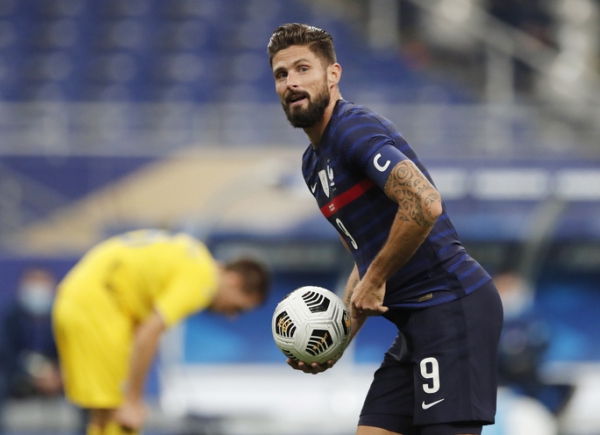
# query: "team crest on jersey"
324,182
330,175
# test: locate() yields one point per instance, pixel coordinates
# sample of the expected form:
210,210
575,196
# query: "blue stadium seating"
151,50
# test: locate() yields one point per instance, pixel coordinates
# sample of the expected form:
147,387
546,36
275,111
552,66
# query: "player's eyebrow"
296,62
278,70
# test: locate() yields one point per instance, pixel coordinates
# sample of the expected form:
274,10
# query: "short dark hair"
318,40
256,276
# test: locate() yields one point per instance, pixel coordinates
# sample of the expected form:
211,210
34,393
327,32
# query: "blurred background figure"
524,343
28,354
114,306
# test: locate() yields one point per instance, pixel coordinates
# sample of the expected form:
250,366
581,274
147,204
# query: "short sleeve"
190,290
381,162
369,148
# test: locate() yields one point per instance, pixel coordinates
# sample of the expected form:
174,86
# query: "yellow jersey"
146,270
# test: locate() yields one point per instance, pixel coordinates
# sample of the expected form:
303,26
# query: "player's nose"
292,81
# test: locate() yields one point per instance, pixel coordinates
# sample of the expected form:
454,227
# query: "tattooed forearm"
348,297
417,199
350,291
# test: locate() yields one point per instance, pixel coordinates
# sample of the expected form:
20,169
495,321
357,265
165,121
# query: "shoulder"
194,251
358,123
358,131
357,112
351,112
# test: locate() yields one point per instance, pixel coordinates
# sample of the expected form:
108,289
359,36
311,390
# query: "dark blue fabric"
440,270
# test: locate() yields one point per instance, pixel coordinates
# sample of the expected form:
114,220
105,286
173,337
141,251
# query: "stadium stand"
148,50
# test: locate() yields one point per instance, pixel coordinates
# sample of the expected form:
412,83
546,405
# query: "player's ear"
233,280
334,73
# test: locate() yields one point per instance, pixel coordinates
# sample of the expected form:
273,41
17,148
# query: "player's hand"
367,300
48,381
312,368
131,415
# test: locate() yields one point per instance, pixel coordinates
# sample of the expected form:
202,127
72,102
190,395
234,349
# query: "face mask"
36,298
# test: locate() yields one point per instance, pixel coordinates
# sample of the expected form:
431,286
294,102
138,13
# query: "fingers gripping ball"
311,324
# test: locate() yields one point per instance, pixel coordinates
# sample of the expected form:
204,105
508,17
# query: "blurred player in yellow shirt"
113,306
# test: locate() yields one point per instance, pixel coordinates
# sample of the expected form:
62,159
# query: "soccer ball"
311,324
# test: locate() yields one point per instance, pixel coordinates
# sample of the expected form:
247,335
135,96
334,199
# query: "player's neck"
315,133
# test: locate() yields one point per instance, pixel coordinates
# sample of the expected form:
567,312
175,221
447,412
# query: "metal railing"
129,129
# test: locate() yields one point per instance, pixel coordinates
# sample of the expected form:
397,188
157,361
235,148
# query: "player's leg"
98,419
442,430
101,422
451,429
115,428
370,430
94,358
389,404
454,350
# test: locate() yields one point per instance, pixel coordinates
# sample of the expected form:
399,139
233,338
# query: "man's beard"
304,118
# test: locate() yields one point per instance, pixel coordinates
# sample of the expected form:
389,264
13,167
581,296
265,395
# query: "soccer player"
439,376
113,306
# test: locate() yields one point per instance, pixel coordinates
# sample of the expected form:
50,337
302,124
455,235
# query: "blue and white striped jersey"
347,173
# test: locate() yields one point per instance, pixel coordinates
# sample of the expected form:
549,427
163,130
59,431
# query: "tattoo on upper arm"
415,195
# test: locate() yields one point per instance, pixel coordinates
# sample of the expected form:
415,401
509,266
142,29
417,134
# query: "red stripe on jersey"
347,197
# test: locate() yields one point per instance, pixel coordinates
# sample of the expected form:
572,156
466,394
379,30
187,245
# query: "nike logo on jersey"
379,167
429,405
313,187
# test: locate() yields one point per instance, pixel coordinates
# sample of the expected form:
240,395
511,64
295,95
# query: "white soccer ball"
311,324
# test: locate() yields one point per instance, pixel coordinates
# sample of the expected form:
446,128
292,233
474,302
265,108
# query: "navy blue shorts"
440,375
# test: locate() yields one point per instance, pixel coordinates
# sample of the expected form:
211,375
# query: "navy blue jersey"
347,173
